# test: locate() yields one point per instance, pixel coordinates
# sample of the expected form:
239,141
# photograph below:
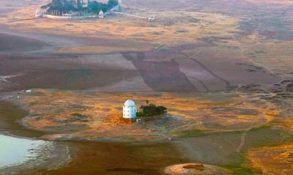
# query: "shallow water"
14,151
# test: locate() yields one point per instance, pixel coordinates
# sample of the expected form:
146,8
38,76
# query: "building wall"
129,112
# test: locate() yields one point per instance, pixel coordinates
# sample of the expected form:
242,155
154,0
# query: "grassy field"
171,27
90,115
272,160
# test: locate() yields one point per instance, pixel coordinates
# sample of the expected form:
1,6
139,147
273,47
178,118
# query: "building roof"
101,1
129,103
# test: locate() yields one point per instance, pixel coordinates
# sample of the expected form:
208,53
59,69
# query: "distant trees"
56,5
112,3
62,6
97,6
93,6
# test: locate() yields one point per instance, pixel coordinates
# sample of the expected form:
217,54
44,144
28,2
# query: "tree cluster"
151,110
65,6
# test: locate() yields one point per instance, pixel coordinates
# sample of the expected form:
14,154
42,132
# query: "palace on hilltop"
78,8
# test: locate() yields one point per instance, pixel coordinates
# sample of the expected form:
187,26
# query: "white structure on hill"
40,12
101,15
129,109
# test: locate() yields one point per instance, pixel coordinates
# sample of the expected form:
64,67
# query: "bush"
151,110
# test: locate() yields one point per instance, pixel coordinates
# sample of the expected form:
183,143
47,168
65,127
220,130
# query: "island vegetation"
151,110
64,6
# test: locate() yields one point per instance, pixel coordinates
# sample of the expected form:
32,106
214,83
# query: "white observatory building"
129,109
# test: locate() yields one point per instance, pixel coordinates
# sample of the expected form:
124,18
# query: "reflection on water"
16,150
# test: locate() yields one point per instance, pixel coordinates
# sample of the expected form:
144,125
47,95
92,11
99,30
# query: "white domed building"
129,109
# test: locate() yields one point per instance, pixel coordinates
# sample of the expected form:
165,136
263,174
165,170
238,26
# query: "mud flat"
24,156
20,153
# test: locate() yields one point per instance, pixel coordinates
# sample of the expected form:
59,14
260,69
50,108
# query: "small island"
78,9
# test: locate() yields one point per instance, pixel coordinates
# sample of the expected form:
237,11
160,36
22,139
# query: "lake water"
15,151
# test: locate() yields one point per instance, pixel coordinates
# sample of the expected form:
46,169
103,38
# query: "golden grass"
55,108
277,160
276,56
273,55
101,49
209,24
285,123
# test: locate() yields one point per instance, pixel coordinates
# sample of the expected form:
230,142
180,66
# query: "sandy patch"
194,169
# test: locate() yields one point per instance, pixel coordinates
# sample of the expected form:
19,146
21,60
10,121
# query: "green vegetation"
64,6
79,117
189,133
151,110
240,170
97,6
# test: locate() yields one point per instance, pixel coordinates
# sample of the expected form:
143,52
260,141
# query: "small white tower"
129,109
101,15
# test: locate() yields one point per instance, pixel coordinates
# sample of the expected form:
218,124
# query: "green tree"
111,4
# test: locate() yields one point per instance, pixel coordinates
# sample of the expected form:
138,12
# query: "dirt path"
242,140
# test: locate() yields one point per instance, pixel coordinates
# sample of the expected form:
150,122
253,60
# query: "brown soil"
199,167
61,73
176,69
10,43
118,158
10,116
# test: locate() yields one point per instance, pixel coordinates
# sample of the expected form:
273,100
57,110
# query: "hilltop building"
101,14
129,109
82,3
78,9
85,3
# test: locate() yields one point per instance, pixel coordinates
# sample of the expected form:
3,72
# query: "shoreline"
48,155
